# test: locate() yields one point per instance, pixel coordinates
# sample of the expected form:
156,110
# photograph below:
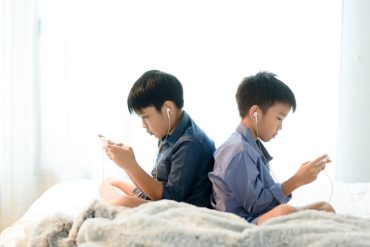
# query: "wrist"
290,185
127,166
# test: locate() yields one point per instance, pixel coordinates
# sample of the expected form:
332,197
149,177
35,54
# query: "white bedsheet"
347,198
73,197
67,198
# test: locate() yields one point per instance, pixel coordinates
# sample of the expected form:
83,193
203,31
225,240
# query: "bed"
71,214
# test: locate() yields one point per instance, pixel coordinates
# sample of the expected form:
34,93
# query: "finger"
321,166
110,142
321,160
322,157
110,146
113,148
318,169
306,163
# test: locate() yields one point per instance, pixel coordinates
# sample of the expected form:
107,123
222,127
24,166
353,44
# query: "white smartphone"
105,140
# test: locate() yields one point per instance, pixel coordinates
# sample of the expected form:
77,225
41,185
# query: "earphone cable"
103,166
259,146
160,145
331,185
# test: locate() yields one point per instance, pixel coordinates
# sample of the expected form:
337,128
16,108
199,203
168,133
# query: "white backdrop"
91,52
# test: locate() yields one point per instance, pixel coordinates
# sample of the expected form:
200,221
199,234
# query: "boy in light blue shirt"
241,180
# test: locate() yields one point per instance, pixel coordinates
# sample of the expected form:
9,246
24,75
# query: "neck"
178,116
251,125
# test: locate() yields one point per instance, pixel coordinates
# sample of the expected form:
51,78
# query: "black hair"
263,89
153,88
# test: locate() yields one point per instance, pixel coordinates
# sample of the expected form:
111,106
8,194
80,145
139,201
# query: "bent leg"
112,189
320,206
128,201
280,210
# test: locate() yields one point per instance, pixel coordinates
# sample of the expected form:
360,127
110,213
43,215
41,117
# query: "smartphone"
105,140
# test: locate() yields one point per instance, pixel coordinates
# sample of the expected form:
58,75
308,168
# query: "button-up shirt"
241,180
184,160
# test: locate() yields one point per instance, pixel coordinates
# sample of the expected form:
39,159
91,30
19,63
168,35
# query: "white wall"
354,119
92,52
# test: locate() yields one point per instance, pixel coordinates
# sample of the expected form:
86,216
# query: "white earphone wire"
103,165
161,143
331,185
255,114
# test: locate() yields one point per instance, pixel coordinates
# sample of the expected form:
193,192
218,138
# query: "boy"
185,153
241,180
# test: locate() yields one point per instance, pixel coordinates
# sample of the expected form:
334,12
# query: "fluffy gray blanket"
168,223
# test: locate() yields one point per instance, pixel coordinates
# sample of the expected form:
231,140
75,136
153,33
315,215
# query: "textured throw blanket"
168,223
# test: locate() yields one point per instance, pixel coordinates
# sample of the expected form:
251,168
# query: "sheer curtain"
91,52
19,125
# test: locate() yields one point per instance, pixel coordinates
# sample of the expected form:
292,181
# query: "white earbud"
168,110
255,114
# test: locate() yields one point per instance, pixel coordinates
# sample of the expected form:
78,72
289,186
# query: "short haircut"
264,90
153,88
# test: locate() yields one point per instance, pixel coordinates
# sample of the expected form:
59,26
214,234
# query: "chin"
267,139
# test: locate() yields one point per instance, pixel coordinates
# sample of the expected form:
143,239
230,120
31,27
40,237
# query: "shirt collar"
257,145
179,130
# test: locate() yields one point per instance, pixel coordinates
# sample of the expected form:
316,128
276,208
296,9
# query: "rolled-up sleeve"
278,193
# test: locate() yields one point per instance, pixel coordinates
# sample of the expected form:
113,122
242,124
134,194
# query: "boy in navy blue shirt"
241,178
185,155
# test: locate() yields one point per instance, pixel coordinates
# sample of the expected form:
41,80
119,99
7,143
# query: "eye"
280,118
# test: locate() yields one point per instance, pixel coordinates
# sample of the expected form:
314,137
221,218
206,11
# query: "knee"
104,184
109,181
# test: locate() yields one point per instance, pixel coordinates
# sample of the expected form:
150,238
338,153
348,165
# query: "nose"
145,125
280,126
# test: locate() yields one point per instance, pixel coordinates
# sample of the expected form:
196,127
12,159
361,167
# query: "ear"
169,106
253,112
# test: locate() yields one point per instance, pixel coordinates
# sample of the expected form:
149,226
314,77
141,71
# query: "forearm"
290,185
151,187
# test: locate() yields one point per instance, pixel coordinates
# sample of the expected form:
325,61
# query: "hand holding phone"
309,170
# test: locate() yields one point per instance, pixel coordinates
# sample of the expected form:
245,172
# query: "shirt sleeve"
187,158
252,184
